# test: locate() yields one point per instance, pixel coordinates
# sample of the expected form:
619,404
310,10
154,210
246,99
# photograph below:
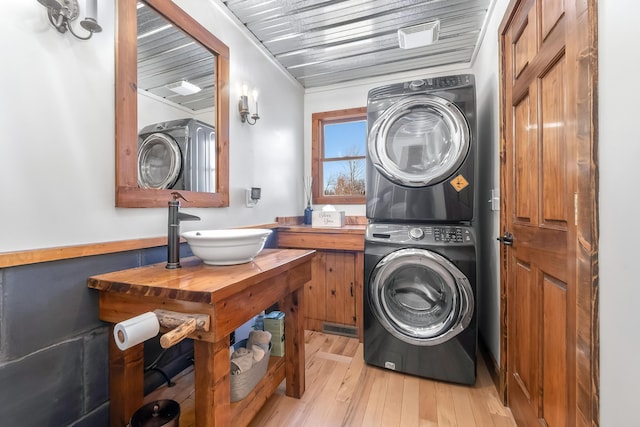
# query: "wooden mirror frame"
128,194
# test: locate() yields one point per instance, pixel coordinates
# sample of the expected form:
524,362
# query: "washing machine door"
420,297
159,161
420,140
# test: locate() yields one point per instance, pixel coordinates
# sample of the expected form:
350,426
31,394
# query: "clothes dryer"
177,154
420,300
421,150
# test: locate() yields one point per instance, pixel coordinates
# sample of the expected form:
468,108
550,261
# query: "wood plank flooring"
343,391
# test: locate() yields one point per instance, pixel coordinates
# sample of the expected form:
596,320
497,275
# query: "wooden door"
547,93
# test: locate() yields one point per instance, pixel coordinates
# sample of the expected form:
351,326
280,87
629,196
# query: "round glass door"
420,297
159,162
419,141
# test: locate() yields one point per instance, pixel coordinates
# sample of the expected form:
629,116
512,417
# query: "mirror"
128,191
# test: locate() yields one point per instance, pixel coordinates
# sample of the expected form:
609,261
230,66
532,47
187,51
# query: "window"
339,144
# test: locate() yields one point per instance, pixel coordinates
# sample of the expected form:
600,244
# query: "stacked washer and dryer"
420,311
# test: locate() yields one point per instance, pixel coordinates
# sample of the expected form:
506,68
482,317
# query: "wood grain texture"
342,390
335,293
128,194
277,275
125,373
34,256
196,281
299,221
348,238
548,93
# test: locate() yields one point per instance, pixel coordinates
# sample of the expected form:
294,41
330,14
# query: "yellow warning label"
459,183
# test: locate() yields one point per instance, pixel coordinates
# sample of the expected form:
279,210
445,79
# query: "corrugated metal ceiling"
322,42
166,56
319,42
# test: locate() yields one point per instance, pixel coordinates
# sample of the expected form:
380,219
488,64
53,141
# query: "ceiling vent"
183,88
418,35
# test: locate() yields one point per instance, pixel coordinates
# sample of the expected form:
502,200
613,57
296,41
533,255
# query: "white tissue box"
327,219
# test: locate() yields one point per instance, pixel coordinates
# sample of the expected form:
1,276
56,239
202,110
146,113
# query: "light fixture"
243,106
418,35
183,87
63,12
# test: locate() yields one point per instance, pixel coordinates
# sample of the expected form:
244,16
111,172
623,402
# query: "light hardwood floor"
341,390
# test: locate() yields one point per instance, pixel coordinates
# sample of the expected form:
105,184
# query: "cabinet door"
340,287
315,292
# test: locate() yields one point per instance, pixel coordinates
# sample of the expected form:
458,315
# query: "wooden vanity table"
231,296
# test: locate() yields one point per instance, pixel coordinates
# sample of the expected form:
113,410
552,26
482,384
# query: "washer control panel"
448,234
420,234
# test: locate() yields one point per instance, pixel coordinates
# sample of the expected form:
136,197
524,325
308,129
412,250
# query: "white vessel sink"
227,247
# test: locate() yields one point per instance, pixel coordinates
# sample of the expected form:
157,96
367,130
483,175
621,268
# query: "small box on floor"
274,323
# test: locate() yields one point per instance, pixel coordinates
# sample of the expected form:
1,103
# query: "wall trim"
35,256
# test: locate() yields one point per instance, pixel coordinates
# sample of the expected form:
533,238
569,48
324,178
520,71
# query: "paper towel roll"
136,330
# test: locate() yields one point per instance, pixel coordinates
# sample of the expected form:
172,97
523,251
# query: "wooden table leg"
126,381
294,343
212,387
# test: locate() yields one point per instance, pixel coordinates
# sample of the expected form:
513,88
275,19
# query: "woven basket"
244,382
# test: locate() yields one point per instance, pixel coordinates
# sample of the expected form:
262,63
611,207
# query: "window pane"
344,177
347,139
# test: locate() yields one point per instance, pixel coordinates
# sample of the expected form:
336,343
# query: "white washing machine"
178,154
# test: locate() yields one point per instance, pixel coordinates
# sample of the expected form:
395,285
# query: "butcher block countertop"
196,281
229,296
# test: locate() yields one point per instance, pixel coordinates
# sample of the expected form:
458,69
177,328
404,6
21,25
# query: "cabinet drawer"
320,240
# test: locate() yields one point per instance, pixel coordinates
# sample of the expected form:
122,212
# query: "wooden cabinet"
333,298
330,296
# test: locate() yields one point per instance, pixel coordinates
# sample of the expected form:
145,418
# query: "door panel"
525,150
547,122
551,11
554,355
524,362
340,277
553,153
315,291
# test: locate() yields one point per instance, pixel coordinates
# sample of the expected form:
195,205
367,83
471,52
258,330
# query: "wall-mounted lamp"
62,12
243,105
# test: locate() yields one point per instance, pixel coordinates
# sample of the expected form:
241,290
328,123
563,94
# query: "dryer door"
420,140
159,161
420,297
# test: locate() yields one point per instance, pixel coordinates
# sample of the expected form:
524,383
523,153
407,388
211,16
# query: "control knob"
416,233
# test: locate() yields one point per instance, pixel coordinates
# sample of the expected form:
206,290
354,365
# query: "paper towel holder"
181,325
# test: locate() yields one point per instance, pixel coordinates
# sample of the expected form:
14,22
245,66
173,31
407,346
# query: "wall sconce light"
243,106
62,12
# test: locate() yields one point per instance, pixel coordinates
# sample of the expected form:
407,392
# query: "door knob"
506,239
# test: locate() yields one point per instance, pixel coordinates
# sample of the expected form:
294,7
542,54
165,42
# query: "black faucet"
173,243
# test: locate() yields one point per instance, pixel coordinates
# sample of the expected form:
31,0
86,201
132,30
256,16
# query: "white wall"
485,68
619,151
57,158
